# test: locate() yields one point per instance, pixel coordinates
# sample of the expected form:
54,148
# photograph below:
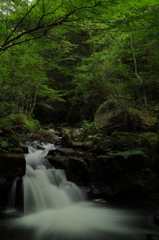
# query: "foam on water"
83,220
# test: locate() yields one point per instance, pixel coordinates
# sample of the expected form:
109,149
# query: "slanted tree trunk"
136,70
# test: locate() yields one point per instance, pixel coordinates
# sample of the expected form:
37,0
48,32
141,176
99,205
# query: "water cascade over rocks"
57,209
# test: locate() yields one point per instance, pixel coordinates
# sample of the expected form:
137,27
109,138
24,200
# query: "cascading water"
56,209
44,186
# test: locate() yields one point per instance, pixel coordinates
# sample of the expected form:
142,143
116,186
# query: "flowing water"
56,209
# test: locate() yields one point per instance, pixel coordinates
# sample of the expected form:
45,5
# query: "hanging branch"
44,27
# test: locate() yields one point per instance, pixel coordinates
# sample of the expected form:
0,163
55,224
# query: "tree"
32,20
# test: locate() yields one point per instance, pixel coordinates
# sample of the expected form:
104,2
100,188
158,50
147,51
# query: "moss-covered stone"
59,162
106,111
153,138
127,153
148,122
116,116
12,161
76,138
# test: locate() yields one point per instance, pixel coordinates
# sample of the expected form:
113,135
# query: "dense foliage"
61,59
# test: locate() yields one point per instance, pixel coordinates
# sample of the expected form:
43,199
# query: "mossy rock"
12,161
128,152
153,138
59,162
126,141
148,122
76,134
8,139
115,116
106,111
76,138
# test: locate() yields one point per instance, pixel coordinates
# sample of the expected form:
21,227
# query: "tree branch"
18,24
9,42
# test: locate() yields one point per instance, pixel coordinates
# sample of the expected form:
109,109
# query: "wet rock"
66,151
59,162
4,191
78,168
100,190
130,151
24,148
51,152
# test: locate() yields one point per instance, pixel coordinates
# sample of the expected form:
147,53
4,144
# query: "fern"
3,144
124,154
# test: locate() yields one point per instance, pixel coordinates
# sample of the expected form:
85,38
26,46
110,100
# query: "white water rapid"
56,209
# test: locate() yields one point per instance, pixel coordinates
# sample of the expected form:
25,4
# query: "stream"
57,209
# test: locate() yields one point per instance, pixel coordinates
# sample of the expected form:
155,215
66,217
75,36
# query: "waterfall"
12,196
57,209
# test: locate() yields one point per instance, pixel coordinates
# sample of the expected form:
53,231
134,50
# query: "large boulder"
116,116
75,138
106,111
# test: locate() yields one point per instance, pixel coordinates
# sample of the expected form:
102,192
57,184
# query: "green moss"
125,154
127,140
148,122
152,138
116,116
19,123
